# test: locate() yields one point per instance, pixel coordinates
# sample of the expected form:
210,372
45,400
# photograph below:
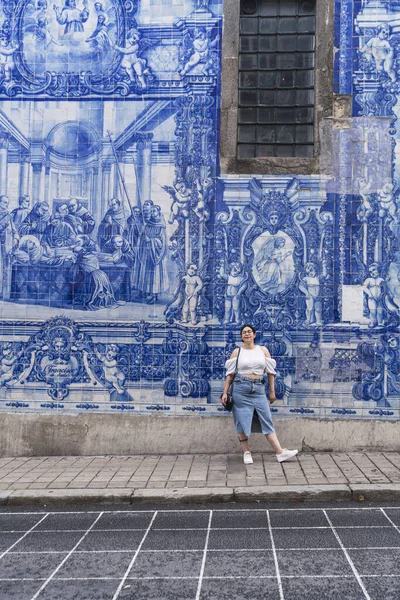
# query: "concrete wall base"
89,435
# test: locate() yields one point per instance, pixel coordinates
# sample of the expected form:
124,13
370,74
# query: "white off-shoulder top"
251,361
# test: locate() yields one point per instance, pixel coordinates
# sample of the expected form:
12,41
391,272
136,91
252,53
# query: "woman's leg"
273,440
261,405
244,442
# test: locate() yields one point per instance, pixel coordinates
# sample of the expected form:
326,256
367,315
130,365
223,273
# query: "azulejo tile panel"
128,264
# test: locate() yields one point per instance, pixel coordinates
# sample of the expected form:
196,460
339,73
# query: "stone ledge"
208,494
375,491
4,496
290,493
267,493
57,496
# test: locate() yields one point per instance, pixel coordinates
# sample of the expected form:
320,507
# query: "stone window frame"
324,40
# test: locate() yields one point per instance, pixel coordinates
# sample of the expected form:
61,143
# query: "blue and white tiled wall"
128,262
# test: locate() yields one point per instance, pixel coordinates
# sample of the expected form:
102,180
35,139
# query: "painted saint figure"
100,39
36,221
85,222
113,223
100,291
59,233
270,265
150,276
30,252
134,228
121,251
71,16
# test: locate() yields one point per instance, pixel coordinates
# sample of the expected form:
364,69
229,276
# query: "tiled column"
95,200
36,181
143,166
106,190
47,183
4,140
23,174
47,175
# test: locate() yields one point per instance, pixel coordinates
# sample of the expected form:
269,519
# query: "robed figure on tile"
71,16
36,221
98,289
113,223
150,276
85,222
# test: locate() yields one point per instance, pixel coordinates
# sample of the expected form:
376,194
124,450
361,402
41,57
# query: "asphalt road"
275,552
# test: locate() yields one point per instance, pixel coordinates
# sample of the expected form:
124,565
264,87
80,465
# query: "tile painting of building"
129,261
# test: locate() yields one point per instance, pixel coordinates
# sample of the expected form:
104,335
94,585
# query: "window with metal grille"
276,78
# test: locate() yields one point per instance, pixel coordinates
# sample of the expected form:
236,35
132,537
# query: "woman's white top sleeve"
270,365
230,365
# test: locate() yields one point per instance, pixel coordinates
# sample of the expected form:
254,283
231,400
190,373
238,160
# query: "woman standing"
249,393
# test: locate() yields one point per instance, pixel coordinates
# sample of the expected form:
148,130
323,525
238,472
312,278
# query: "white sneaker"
247,458
286,454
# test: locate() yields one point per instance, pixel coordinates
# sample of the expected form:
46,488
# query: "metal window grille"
276,78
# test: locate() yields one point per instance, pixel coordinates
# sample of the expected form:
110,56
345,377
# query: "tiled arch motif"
128,270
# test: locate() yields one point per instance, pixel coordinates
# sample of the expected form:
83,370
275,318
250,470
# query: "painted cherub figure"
204,196
193,285
112,373
181,196
6,56
310,286
381,51
202,46
236,285
8,359
387,205
373,290
365,209
135,67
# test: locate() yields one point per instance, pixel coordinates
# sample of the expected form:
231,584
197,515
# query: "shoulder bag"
229,401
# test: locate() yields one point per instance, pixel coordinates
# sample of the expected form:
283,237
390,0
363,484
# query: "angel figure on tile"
8,360
135,67
201,51
112,373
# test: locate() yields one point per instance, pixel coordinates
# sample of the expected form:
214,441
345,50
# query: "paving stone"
349,469
385,466
368,468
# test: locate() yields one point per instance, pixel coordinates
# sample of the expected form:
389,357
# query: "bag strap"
236,367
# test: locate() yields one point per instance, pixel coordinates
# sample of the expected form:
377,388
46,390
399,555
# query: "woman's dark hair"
250,327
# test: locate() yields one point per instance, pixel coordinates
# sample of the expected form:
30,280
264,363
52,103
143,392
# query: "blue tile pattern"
128,263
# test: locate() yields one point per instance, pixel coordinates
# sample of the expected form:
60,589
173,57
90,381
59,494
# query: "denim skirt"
250,402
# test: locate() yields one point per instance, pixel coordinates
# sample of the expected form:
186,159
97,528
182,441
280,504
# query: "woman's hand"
272,397
224,398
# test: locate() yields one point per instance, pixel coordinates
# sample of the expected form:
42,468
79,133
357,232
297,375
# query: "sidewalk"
199,478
